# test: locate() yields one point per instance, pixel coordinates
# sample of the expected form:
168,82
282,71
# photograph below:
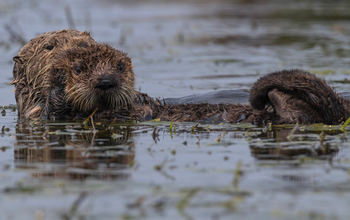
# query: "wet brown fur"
64,81
297,96
33,64
97,62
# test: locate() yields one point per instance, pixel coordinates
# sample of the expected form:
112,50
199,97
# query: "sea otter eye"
121,67
49,47
77,70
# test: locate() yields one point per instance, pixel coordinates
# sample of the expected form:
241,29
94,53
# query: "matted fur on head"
97,76
34,64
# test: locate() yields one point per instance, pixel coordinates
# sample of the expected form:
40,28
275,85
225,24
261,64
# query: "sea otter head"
97,77
36,56
34,64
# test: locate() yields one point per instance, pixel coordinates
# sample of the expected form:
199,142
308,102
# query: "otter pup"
89,78
66,74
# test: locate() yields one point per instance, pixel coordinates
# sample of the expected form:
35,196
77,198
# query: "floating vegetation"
20,188
323,72
342,128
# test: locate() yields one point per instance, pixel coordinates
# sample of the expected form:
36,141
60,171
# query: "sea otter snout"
106,83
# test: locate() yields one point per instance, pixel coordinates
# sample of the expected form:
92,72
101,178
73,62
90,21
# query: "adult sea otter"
67,74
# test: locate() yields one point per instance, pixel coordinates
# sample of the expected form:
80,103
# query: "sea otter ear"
86,33
18,59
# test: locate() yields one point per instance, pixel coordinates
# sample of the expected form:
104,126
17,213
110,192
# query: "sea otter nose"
105,84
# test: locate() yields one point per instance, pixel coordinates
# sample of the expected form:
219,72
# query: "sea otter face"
97,77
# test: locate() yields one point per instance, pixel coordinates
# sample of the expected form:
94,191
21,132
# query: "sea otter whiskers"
66,74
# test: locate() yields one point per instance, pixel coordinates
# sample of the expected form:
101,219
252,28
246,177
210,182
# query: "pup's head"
97,76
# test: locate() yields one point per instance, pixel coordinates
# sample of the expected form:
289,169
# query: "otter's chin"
104,102
90,100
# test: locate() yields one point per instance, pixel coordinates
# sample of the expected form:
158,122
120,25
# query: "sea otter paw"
295,93
291,110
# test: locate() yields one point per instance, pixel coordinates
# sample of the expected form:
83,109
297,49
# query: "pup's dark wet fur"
66,74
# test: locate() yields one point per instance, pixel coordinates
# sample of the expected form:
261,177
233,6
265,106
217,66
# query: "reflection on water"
279,145
75,151
71,151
